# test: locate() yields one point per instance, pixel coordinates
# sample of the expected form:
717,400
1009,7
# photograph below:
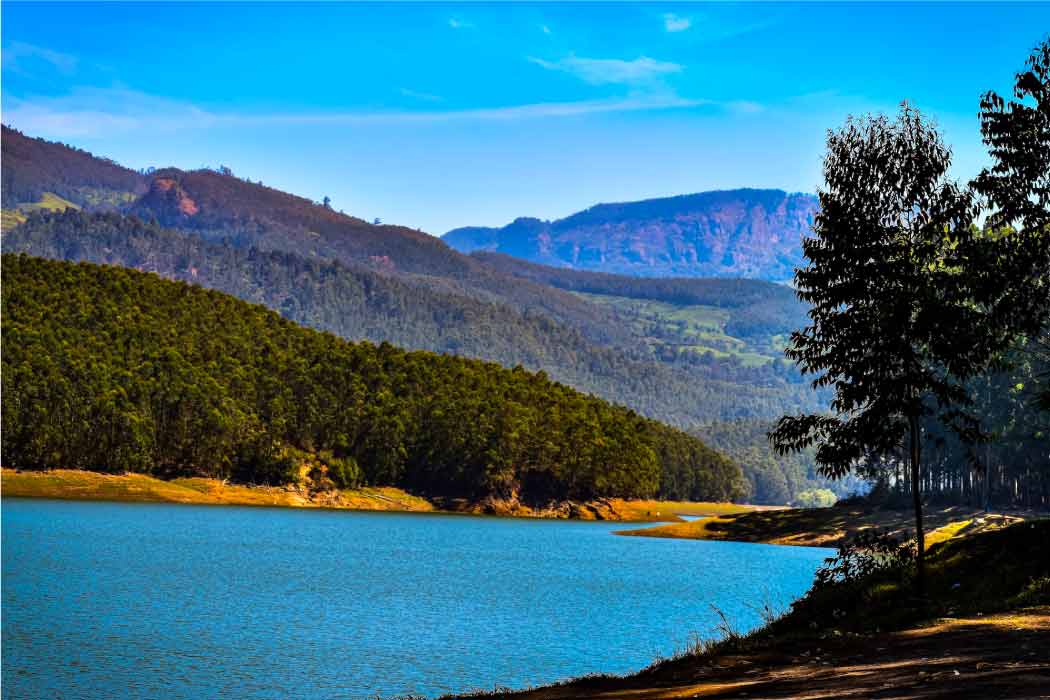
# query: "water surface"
121,600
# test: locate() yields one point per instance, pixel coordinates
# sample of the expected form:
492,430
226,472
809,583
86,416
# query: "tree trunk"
916,494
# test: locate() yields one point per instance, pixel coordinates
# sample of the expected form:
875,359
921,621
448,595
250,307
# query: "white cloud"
606,71
545,29
745,107
96,112
17,55
674,23
458,23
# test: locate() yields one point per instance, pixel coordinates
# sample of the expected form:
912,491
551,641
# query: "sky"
436,116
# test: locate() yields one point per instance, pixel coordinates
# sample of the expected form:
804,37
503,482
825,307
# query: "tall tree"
1016,188
910,300
887,230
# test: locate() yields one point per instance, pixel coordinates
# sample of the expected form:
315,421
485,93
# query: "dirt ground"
975,658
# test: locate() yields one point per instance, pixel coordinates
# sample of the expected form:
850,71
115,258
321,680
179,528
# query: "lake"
124,600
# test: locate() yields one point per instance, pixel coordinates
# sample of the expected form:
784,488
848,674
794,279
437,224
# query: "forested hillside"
112,369
761,314
33,167
359,304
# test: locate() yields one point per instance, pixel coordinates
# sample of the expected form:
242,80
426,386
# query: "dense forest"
773,478
112,369
1005,462
359,304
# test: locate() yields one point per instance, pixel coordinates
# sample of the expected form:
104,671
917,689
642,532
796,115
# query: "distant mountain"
733,233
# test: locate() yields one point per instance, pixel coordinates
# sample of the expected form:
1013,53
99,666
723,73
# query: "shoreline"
81,485
830,527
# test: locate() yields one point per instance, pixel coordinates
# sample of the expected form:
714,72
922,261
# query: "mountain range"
691,352
734,233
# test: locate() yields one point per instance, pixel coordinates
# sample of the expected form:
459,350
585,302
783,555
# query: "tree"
326,202
910,300
1016,188
884,238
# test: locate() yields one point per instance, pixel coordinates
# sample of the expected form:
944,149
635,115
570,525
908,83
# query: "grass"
9,218
50,202
83,485
699,329
657,511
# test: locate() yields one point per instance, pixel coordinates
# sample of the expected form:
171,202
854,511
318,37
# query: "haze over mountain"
732,233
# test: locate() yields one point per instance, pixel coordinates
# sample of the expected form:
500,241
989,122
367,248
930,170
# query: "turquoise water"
115,600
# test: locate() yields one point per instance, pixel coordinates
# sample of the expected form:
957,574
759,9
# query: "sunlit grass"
82,485
48,202
826,527
9,218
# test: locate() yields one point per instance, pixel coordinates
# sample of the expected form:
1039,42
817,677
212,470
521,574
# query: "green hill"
112,369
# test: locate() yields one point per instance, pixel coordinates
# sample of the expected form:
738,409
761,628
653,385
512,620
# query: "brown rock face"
168,201
737,233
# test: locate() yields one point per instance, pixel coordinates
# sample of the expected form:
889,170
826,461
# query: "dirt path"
978,658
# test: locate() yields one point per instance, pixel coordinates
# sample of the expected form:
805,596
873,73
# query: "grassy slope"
9,218
83,485
983,632
703,331
825,527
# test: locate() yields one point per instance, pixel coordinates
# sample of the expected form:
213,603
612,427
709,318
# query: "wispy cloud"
608,71
19,56
425,97
96,112
458,23
545,29
674,23
745,106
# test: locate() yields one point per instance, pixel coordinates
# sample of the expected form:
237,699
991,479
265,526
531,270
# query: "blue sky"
439,115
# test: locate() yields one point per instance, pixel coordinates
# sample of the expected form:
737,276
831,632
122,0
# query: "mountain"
111,369
733,233
685,351
33,167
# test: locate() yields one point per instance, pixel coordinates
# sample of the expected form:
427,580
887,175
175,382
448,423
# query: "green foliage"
772,478
892,316
111,369
865,587
815,498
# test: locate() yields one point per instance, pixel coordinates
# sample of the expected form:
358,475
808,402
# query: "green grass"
699,329
9,218
49,202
